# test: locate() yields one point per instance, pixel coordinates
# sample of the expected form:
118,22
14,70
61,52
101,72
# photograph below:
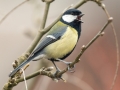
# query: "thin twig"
42,71
118,62
25,67
45,15
116,41
80,4
12,11
117,47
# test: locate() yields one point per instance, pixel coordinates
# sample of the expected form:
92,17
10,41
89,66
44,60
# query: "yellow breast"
63,46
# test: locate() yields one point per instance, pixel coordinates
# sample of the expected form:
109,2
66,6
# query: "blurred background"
97,67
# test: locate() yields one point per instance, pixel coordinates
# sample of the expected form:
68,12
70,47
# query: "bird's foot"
57,76
70,68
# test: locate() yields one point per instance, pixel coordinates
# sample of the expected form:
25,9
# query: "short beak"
81,17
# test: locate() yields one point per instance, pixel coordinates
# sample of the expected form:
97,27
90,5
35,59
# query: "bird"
59,42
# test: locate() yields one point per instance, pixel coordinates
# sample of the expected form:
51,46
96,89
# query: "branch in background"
117,47
12,11
47,5
116,41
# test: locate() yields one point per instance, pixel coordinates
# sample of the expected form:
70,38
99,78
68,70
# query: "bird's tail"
19,67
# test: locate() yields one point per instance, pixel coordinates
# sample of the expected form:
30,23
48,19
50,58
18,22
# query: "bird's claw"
56,75
71,69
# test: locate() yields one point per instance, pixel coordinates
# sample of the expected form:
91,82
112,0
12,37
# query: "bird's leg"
68,65
57,70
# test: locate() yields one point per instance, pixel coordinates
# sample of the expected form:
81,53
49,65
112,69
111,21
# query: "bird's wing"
52,36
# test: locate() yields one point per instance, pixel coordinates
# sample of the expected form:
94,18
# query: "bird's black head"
72,17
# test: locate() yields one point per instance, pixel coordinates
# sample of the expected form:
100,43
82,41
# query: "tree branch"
42,71
47,5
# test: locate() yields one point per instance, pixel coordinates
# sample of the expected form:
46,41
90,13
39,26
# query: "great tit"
59,42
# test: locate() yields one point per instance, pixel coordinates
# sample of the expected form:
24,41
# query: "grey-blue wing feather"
48,40
19,67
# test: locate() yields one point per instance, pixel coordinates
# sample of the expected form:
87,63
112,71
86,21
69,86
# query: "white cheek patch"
69,18
50,36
